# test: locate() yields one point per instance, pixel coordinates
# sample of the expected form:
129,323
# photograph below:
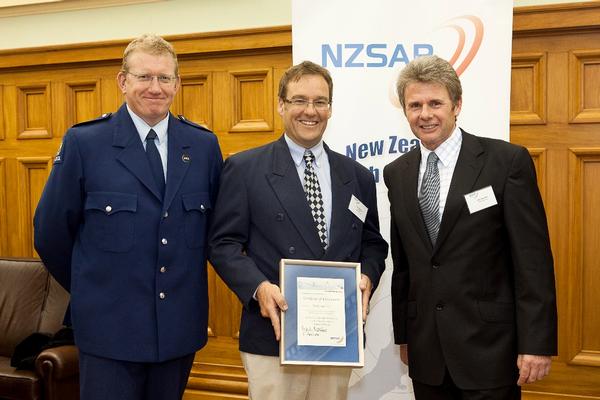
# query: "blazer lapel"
468,167
341,191
133,156
287,187
178,160
410,179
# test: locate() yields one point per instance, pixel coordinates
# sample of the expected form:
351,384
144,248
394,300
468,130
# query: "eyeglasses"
147,78
320,105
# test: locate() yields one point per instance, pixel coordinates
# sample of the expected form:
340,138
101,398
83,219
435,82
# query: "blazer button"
439,306
163,270
166,214
279,217
292,250
164,241
435,266
162,295
354,226
202,208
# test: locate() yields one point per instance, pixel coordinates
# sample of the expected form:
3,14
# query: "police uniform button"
162,295
108,209
439,307
166,214
292,250
164,241
163,270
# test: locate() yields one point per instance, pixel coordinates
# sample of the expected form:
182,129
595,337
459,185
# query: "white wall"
164,17
122,22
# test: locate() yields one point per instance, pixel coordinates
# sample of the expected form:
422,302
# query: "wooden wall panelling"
111,96
584,86
278,123
1,112
83,101
31,177
528,89
34,114
584,279
569,37
194,99
3,209
252,101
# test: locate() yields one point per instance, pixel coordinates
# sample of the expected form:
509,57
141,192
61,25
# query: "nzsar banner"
365,44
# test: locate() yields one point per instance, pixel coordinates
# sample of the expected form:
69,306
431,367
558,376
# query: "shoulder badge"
59,156
195,125
91,121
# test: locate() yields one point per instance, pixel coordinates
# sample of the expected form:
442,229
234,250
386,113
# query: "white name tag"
480,199
358,208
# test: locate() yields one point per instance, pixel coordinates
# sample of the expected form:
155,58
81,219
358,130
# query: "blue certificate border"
292,353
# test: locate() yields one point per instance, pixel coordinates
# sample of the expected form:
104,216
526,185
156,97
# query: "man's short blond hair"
150,44
430,69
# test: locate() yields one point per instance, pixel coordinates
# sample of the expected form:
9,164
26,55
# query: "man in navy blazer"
473,297
262,215
131,248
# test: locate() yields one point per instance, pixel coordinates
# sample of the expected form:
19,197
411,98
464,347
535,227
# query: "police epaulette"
100,118
195,125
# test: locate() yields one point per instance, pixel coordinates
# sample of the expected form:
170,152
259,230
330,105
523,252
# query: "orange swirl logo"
478,25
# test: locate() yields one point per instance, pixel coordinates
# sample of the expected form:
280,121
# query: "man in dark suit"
473,296
122,224
262,215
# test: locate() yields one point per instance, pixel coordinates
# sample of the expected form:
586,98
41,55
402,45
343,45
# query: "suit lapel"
287,187
468,168
133,157
341,191
177,166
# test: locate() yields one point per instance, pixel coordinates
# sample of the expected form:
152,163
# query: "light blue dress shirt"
161,140
321,167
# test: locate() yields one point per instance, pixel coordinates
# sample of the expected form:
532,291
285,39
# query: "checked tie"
155,162
314,197
429,197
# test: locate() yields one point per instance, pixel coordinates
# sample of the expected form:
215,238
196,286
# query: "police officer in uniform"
122,225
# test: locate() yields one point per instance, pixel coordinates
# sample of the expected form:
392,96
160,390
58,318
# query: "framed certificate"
323,323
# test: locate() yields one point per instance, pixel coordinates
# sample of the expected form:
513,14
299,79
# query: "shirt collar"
445,150
297,151
143,128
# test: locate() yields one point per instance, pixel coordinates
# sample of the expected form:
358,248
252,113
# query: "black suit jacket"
485,292
262,216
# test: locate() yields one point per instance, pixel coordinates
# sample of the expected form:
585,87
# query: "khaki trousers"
268,380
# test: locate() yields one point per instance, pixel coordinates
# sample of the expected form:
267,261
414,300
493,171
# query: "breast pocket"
197,208
109,220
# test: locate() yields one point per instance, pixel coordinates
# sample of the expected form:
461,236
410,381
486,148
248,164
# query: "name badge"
480,199
358,208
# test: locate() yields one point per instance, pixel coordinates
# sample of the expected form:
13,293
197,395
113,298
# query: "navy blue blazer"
135,265
485,292
262,216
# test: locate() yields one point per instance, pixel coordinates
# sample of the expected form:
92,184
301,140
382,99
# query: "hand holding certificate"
323,323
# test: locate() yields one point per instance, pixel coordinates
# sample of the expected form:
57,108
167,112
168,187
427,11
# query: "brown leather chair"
32,301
